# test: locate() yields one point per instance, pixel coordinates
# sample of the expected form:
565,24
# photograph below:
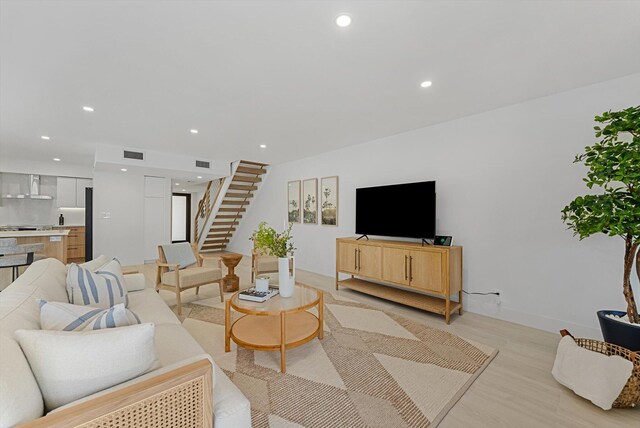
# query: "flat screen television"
399,210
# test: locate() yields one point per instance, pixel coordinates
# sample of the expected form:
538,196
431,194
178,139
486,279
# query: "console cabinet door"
395,265
426,271
347,257
369,261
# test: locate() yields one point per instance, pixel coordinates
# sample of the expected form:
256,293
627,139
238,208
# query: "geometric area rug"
372,369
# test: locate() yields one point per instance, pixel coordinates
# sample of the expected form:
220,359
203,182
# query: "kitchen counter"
34,233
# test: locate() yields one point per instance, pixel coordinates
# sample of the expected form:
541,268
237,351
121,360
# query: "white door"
179,204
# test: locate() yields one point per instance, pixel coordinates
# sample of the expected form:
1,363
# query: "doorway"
181,217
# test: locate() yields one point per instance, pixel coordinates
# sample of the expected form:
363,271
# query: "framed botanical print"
310,201
293,201
329,201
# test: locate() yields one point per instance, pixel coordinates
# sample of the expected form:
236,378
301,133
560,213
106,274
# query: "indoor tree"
614,168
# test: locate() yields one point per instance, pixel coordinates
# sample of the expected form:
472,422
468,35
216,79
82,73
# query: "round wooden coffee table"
277,324
231,282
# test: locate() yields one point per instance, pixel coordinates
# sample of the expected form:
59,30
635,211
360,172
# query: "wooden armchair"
262,262
180,267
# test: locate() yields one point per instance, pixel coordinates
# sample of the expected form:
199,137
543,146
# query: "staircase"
224,203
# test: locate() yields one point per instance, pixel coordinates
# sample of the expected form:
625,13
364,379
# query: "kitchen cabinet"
70,192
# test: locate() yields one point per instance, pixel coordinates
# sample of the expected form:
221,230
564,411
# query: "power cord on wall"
496,293
492,293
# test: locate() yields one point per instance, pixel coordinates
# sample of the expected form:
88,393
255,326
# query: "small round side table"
231,282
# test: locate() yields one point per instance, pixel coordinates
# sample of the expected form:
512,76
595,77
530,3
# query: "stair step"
206,248
232,210
229,216
222,230
246,179
216,241
226,202
238,195
225,223
233,186
248,170
246,162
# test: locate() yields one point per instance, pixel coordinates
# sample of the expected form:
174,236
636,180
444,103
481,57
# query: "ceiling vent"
203,164
128,154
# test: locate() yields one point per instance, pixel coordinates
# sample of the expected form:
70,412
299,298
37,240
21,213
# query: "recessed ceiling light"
56,159
263,146
45,137
343,21
184,190
426,84
199,176
87,108
194,131
123,169
177,184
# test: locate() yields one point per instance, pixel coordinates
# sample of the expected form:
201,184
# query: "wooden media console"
424,277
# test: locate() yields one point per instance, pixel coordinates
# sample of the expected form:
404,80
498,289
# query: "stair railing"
205,207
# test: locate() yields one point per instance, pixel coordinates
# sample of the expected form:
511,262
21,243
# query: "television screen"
399,210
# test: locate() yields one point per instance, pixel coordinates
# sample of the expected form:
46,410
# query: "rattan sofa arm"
185,393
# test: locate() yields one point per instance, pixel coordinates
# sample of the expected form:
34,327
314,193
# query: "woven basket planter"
630,394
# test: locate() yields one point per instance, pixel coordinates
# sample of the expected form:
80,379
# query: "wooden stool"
231,282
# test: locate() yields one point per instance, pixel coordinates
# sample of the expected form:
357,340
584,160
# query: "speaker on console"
443,240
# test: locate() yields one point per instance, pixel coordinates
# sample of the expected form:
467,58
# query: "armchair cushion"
180,253
192,276
267,263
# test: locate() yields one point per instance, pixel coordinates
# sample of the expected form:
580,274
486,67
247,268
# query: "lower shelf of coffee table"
263,332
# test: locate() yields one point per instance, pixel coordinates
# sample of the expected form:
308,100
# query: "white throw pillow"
67,317
103,288
69,365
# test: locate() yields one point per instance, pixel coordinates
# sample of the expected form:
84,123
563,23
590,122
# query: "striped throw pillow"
67,317
102,289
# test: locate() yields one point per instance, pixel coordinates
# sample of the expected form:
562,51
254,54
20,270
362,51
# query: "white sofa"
20,397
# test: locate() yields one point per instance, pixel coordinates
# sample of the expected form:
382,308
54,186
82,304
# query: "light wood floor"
516,390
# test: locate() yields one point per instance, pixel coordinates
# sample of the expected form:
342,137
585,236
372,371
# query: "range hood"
34,190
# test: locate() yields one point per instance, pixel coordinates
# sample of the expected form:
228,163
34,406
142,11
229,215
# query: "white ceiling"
282,73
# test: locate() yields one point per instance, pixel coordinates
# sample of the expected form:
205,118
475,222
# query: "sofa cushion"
67,317
192,276
71,365
180,254
174,344
95,264
20,398
150,307
231,409
44,279
102,289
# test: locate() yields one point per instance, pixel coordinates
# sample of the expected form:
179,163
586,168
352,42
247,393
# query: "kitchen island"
55,245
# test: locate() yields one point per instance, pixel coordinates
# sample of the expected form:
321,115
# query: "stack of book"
257,296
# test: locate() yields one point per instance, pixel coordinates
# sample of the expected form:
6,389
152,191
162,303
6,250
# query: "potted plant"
266,239
614,168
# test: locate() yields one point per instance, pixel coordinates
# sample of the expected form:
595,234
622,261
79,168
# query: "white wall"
122,195
502,178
